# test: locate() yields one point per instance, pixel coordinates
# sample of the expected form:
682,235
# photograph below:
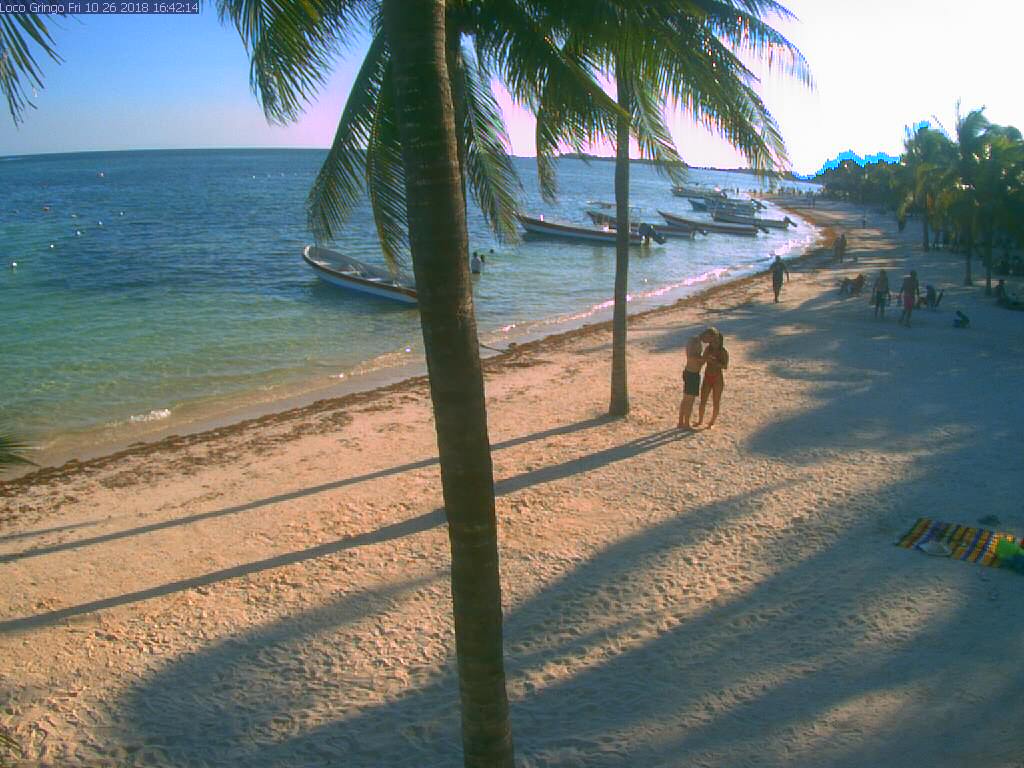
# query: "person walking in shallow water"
714,378
695,359
778,269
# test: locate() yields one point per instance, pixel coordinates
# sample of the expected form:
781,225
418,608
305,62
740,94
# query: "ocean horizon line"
569,156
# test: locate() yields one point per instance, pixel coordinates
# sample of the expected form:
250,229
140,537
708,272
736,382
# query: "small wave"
155,415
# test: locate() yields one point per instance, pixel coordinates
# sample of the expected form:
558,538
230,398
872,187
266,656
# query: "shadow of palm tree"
408,527
276,499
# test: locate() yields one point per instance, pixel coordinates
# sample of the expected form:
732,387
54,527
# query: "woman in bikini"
714,378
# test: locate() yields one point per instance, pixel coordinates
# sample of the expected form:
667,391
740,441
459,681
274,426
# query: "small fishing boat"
698,204
605,219
652,230
709,226
536,226
737,218
683,190
346,272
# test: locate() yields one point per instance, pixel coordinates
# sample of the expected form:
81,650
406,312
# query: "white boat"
684,190
709,226
346,272
536,226
737,218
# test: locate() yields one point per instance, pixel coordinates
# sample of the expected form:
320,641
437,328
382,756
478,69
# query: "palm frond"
12,451
292,46
385,179
492,178
341,183
18,66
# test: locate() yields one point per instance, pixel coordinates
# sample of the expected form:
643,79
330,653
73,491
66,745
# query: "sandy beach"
275,593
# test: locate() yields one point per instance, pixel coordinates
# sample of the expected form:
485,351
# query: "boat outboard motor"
789,222
648,232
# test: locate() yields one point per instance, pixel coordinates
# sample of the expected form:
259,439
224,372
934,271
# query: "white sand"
276,594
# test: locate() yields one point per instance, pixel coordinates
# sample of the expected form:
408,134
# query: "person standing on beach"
714,378
778,269
880,293
909,292
837,248
691,374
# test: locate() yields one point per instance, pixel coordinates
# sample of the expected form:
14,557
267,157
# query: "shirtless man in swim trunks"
691,374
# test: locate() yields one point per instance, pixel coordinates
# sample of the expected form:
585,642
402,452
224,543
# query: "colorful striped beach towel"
977,545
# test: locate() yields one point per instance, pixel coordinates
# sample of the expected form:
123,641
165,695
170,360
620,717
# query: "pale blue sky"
146,82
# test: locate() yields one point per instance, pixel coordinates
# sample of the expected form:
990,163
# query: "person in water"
714,378
778,269
476,263
880,293
695,359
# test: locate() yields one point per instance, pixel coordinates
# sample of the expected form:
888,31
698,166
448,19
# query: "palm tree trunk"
620,393
438,241
967,258
456,77
988,260
924,226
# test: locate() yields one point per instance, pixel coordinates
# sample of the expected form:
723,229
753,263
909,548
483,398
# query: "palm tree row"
969,183
421,129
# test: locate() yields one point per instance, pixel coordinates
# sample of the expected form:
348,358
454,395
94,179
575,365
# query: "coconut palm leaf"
18,66
489,171
341,183
12,451
292,46
385,178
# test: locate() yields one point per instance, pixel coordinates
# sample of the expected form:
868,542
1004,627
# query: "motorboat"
709,226
538,226
737,218
345,272
684,190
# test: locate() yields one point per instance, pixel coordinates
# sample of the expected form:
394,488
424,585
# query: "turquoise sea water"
148,282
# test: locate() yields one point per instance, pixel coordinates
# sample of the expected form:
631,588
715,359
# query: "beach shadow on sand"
715,686
65,546
427,521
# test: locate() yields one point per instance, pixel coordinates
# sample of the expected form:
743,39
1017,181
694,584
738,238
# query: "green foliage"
12,451
19,34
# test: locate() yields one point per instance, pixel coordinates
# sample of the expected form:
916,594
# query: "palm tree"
684,53
419,127
438,243
18,66
960,195
1002,155
926,161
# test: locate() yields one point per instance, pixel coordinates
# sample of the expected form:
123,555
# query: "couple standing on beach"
707,348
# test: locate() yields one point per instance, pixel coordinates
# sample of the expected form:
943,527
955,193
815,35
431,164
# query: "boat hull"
723,229
570,232
368,281
735,218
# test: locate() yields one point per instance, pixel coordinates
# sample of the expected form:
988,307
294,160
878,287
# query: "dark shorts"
691,383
